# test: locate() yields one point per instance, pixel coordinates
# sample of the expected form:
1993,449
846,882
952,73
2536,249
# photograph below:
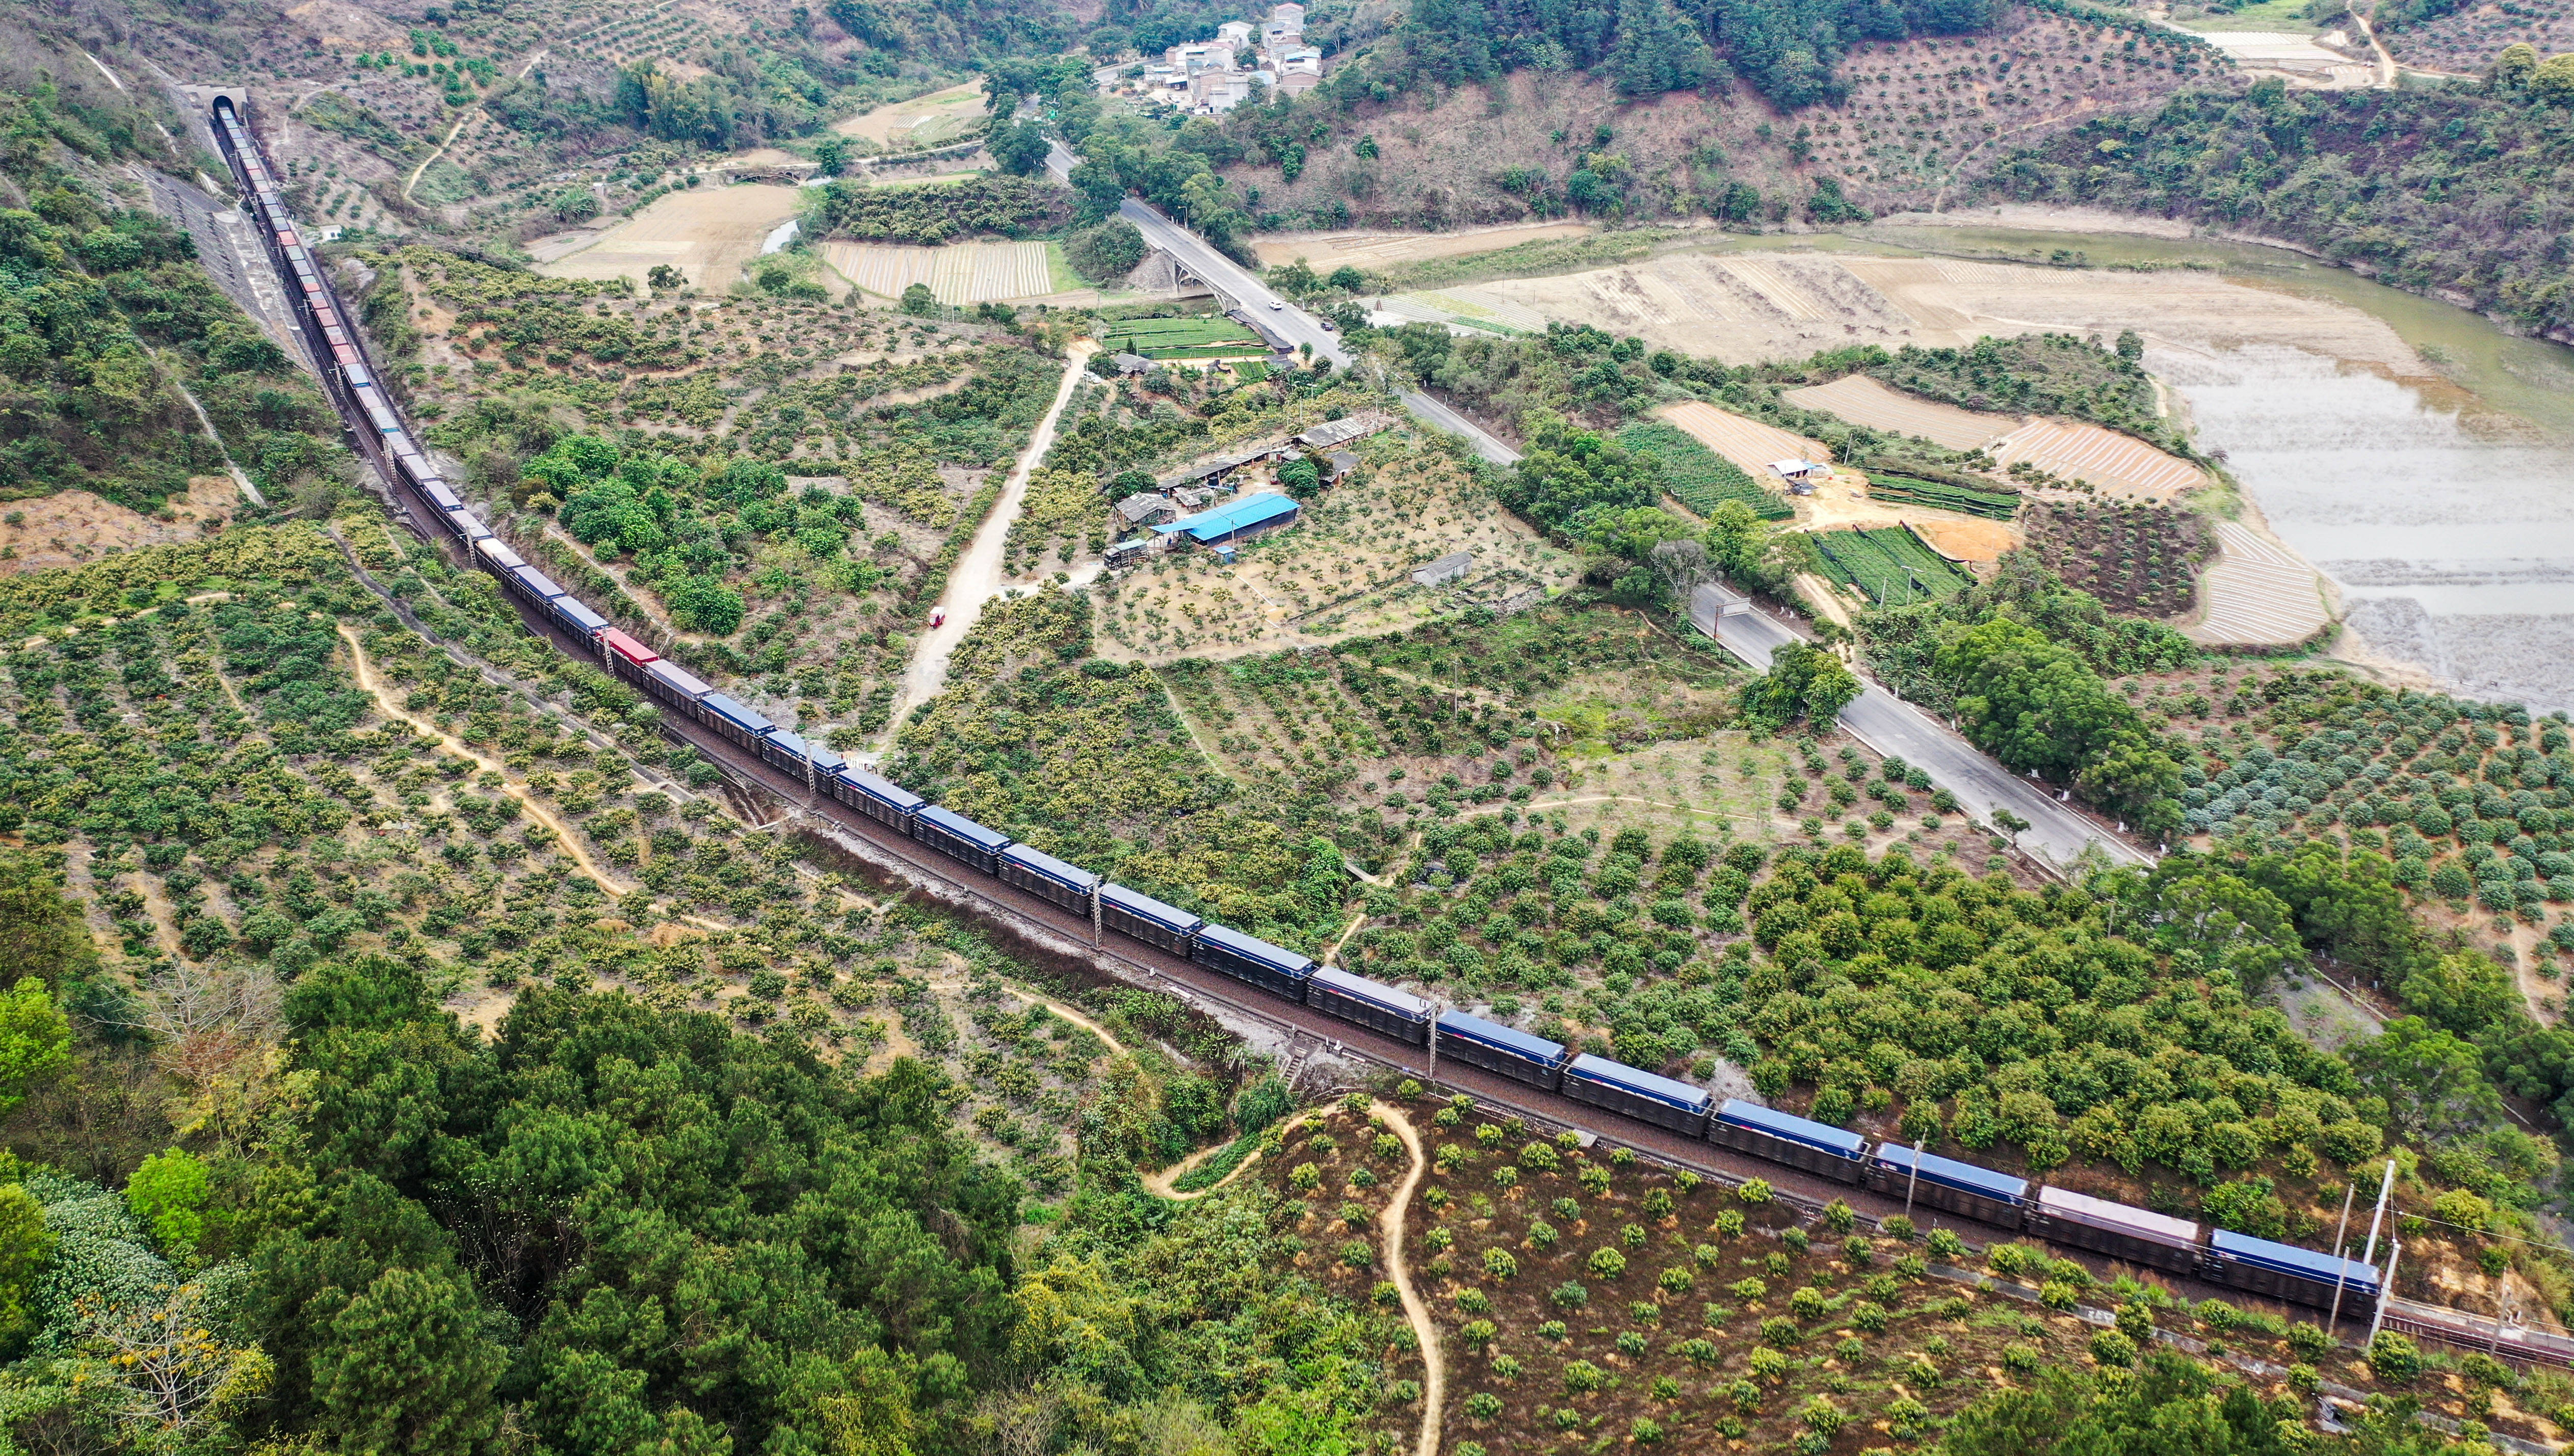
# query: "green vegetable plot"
1696,476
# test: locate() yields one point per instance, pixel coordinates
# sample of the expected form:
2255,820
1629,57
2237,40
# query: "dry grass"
707,232
923,121
1324,252
70,526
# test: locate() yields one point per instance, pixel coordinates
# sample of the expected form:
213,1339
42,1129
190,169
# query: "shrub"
1540,1234
2057,1295
1906,1417
1700,1352
1474,1301
1500,1264
1580,1377
1677,1281
1483,1405
1632,1235
1594,1179
2113,1348
1645,1431
1796,1239
1386,1294
1553,1329
1541,1158
2136,1321
2394,1359
1357,1254
1565,1209
1899,1228
1745,1395
1837,1214
1707,1254
1748,1291
1506,1176
1945,1245
1658,1202
1507,1368
1870,1316
1479,1333
1568,1296
1631,1343
1729,1224
1754,1190
1857,1253
2309,1341
1821,1417
1770,1364
1404,1392
1607,1263
1779,1332
1808,1302
1305,1178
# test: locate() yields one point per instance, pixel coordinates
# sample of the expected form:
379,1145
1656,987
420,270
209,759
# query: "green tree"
406,1366
35,1040
26,1245
664,277
1803,683
1020,149
2433,1082
41,934
919,302
167,1194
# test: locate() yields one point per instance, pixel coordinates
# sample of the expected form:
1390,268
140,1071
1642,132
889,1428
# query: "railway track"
1050,933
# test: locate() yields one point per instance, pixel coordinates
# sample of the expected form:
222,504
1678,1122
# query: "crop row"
1889,567
1991,505
1696,476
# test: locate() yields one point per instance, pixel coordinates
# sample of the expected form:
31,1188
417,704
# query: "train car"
958,837
1962,1188
881,800
793,755
495,556
1273,969
532,586
1520,1055
733,723
1146,918
465,527
1637,1094
1043,876
1373,1004
447,501
627,657
2285,1271
2122,1232
574,616
679,689
1800,1143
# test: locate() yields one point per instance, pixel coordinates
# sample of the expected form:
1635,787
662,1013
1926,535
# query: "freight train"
2178,1246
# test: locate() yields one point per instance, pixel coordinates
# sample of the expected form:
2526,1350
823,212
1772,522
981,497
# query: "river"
2440,502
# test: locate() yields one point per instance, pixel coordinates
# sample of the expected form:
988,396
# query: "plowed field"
960,273
2105,457
1748,442
1863,401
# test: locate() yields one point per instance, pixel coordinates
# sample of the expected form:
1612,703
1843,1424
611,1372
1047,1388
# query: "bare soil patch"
923,121
1863,401
74,526
1966,540
707,232
1326,251
1748,442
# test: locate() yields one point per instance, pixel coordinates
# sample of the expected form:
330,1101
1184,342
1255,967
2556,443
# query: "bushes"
2394,1359
941,212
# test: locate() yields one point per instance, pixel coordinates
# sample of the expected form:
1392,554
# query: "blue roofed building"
1236,521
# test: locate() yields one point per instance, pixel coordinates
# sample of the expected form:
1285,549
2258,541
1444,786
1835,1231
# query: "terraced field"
2256,595
1863,401
1906,491
2104,458
1891,566
959,274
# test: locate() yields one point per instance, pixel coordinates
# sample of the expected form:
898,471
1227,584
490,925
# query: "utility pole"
1435,1009
1915,1179
1094,915
2385,1190
2385,1293
2341,1242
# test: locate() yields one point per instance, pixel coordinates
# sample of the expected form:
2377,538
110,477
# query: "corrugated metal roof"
1241,514
1815,1134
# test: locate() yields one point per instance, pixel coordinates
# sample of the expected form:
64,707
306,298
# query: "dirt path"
1159,1184
453,132
391,706
977,577
1434,1367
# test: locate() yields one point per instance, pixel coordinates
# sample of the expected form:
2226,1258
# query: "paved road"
1889,725
1878,717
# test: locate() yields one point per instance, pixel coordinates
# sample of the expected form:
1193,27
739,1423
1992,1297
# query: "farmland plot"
958,273
2104,458
1751,445
1863,401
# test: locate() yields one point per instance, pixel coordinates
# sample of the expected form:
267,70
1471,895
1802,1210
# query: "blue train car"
1638,1093
2285,1271
1978,1194
958,837
790,754
1250,959
1147,919
532,586
736,723
1519,1055
1800,1143
493,554
574,617
467,528
1373,1004
1043,876
881,800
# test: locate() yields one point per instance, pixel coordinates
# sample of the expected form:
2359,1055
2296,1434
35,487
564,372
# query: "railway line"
928,849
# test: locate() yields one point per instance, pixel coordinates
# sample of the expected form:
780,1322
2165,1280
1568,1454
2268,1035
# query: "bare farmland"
1863,401
1748,442
957,274
707,232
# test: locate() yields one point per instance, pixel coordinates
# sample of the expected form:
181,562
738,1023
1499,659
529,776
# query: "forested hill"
2456,193
1787,49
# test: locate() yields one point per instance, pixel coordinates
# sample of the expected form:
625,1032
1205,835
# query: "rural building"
1240,521
1338,464
1145,508
1337,433
1801,476
1132,549
1234,35
1447,569
1297,83
1132,364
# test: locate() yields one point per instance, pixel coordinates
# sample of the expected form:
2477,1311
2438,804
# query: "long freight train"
2180,1246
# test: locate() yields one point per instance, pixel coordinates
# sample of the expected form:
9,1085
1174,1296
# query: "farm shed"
1337,433
1240,521
1338,464
1145,508
1132,364
1800,471
1447,569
